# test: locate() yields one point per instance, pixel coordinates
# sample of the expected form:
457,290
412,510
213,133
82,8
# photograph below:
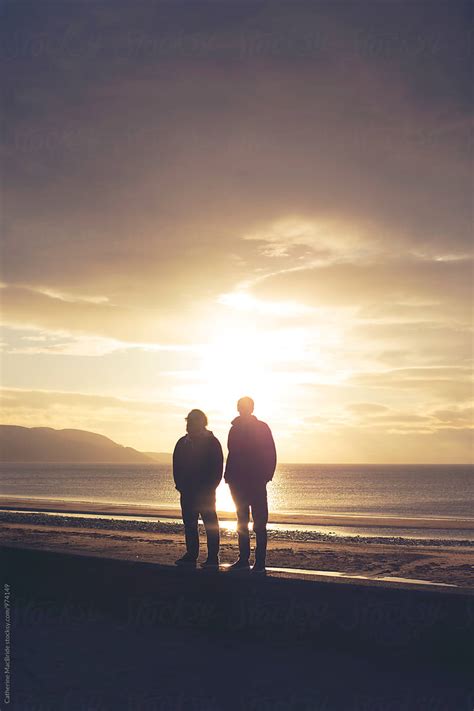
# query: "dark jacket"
197,463
252,454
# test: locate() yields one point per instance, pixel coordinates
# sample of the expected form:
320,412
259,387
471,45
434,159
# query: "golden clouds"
281,202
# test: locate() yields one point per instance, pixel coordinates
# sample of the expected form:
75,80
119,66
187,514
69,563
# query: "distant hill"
44,444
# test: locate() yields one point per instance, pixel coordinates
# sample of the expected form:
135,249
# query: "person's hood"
205,435
240,421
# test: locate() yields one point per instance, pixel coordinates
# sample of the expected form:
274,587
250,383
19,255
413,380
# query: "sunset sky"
203,200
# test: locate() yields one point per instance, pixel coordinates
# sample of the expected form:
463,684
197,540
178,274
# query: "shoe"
187,559
210,564
239,565
259,568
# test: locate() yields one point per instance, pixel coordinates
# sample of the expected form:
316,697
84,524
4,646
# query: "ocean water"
390,490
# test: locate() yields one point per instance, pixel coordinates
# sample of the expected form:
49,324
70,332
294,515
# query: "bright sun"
279,353
254,348
245,359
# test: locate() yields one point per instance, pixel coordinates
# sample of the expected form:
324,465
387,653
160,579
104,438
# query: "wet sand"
319,519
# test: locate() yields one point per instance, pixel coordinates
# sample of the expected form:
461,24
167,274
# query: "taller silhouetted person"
250,466
197,471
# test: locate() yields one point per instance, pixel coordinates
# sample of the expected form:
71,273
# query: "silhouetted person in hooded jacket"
197,471
250,466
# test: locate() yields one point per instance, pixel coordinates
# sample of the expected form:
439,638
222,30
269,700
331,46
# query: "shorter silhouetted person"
197,471
250,466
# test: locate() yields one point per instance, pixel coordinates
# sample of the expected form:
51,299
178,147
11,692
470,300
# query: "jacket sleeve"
177,466
216,463
228,465
269,452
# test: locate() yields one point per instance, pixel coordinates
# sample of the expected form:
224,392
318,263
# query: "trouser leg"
243,518
190,519
260,519
211,524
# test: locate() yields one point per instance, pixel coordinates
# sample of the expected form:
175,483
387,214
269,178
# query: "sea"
398,491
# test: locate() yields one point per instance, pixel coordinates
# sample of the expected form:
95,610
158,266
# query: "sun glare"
248,355
243,301
224,501
249,351
240,360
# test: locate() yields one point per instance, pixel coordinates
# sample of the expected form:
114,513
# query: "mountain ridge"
45,444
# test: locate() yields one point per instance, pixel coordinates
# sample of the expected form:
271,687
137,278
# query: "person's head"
245,406
196,422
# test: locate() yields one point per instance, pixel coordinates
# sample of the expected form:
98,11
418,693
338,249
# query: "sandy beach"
446,562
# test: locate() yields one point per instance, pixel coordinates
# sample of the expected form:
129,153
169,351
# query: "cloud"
117,325
400,283
457,418
175,161
446,383
366,408
39,399
352,443
372,415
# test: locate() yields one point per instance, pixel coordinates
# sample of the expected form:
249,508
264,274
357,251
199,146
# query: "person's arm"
217,462
269,453
177,466
228,464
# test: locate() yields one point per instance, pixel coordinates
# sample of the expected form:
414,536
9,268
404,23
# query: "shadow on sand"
92,633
